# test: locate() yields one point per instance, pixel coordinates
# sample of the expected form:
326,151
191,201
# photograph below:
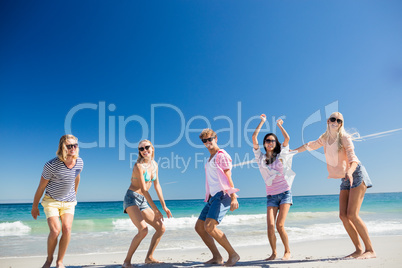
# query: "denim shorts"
216,207
359,175
278,199
134,199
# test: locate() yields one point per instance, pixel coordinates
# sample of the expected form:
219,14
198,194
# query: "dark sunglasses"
144,148
70,146
209,139
333,119
269,141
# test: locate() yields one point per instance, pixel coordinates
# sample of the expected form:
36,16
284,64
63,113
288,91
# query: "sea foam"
16,228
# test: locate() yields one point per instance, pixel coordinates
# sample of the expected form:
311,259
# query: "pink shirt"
337,161
278,176
215,178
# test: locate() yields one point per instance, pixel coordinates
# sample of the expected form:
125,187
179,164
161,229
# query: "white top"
214,171
279,175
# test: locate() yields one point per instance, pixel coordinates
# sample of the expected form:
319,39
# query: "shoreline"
317,253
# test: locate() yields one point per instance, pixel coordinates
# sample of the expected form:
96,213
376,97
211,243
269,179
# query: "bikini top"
147,177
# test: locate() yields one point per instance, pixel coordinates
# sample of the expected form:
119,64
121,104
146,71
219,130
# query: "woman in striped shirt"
275,167
60,179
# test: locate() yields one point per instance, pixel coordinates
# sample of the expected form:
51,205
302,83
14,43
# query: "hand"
35,212
349,176
263,117
279,122
234,204
168,213
158,215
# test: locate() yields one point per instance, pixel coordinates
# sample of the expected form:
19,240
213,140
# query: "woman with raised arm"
145,172
276,170
343,164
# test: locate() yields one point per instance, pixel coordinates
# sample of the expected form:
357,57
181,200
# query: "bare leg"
55,228
349,226
271,217
220,237
280,226
149,217
209,242
137,219
66,223
356,197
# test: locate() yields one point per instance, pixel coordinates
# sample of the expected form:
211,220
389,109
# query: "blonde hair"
207,132
62,150
140,158
341,132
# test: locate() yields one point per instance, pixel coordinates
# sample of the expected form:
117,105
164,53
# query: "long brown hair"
276,151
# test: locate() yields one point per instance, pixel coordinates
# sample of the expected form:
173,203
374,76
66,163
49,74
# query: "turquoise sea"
102,226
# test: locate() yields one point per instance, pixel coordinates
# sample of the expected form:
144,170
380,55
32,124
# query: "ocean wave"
16,228
336,230
312,215
189,222
384,227
172,223
123,225
186,222
318,227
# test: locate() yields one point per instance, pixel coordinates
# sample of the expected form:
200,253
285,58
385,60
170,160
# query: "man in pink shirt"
221,196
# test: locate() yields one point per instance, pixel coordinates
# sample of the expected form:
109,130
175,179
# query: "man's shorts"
278,199
54,208
216,207
359,176
134,199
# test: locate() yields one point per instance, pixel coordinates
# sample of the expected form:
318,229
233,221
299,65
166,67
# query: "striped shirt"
61,185
278,176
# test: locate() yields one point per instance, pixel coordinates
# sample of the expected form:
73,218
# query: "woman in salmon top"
343,164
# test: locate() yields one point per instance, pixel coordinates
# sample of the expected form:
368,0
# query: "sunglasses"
144,148
70,146
209,139
333,119
269,141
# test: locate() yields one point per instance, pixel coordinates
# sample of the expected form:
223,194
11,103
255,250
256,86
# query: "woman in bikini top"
145,173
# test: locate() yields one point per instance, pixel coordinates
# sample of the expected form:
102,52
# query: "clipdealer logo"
114,126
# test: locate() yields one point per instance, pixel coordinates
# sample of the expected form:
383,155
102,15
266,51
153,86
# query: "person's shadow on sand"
257,263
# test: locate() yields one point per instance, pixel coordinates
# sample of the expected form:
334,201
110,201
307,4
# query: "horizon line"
5,202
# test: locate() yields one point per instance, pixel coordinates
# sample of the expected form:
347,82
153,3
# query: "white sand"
321,253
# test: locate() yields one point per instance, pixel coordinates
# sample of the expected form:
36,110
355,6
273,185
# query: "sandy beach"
319,253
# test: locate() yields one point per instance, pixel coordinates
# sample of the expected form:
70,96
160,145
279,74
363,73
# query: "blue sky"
115,72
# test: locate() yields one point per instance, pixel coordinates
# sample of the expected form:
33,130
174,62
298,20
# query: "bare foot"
355,254
126,265
215,261
47,264
232,260
151,260
60,265
286,256
368,255
272,257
